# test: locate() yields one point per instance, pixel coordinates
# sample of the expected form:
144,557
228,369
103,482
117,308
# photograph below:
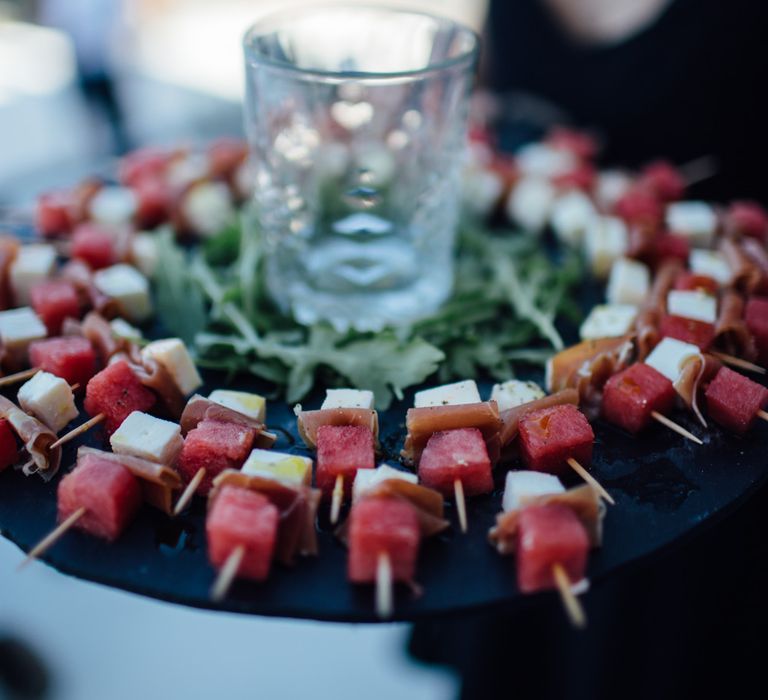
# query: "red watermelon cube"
95,245
456,454
342,449
548,535
53,301
671,246
214,446
747,219
382,525
54,214
110,494
690,281
756,317
640,206
630,397
688,330
71,358
550,436
117,392
9,451
733,400
664,180
242,518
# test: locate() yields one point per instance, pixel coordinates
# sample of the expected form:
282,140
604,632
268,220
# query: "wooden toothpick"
461,504
571,603
584,474
384,604
336,498
79,430
52,537
762,414
19,376
227,574
738,362
679,429
188,492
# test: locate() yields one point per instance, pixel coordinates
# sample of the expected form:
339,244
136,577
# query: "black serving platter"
665,487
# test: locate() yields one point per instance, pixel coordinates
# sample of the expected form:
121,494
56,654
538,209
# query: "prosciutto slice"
422,423
731,333
37,439
696,372
511,417
199,408
747,275
158,481
310,421
296,533
584,501
652,311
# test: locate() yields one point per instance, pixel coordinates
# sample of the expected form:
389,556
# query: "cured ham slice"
732,334
511,418
422,423
110,494
36,438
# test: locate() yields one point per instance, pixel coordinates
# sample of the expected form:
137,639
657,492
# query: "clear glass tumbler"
356,118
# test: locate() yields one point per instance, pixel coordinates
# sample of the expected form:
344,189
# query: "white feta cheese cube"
711,264
570,217
605,240
521,486
448,395
33,264
669,356
515,393
608,321
113,206
697,221
172,354
481,190
18,328
208,208
251,405
692,304
530,202
541,160
366,479
128,287
145,436
144,253
50,399
187,169
628,283
348,398
610,187
293,470
122,329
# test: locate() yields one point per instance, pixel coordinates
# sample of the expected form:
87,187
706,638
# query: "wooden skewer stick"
461,504
571,603
584,474
79,430
74,387
227,574
738,362
762,414
188,492
52,537
336,498
19,376
679,429
384,605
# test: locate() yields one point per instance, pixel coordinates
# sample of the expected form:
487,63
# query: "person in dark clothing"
685,82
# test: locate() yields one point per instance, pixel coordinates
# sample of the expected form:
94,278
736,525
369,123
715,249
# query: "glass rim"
255,57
